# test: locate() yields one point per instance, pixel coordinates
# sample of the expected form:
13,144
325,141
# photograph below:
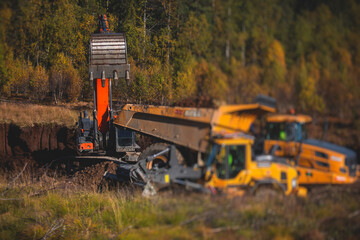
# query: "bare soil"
45,150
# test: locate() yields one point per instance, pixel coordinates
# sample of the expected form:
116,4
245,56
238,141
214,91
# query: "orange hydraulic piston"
102,105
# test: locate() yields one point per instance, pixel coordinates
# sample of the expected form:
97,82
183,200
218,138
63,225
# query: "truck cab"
284,131
317,162
231,166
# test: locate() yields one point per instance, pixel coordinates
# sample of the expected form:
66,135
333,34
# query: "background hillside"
304,53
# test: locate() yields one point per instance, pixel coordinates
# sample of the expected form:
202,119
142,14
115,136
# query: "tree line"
304,53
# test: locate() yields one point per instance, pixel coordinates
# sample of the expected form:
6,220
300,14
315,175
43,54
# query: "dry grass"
74,213
30,114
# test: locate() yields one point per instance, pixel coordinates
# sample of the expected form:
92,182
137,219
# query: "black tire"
156,148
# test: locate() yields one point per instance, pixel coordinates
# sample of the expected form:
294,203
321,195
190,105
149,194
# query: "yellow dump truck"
222,158
317,162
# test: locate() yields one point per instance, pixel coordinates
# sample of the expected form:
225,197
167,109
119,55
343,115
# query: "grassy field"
54,209
24,114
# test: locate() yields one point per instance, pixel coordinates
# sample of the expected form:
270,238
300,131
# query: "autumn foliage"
306,54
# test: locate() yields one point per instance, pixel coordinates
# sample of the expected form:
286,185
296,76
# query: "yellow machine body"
253,173
317,162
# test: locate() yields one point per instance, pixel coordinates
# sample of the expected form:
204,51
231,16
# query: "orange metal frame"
102,105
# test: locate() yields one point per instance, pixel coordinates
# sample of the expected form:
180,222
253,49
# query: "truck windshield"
275,131
285,131
230,160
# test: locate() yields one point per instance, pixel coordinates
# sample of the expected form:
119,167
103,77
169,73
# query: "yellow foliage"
274,64
244,83
39,82
196,35
308,97
64,79
210,80
113,21
18,73
344,57
79,52
184,83
276,54
5,19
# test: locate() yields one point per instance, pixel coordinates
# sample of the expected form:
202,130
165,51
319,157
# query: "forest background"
304,53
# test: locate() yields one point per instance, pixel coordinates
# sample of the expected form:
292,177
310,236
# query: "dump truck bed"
189,127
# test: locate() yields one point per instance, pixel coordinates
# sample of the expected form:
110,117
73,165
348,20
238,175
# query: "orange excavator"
108,63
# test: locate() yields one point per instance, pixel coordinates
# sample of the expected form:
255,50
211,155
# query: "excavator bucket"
108,56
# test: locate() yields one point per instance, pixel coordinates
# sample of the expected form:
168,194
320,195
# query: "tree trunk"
243,48
168,33
144,41
227,48
55,99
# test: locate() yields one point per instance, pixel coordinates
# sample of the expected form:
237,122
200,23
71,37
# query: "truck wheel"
162,160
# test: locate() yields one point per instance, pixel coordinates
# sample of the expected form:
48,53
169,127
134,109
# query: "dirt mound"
64,173
37,146
92,176
48,151
17,141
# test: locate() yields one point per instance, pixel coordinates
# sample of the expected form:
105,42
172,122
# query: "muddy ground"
46,150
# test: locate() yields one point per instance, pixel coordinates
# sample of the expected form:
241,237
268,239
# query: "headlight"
294,183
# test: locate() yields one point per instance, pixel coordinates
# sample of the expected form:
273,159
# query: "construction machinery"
317,162
201,148
108,63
